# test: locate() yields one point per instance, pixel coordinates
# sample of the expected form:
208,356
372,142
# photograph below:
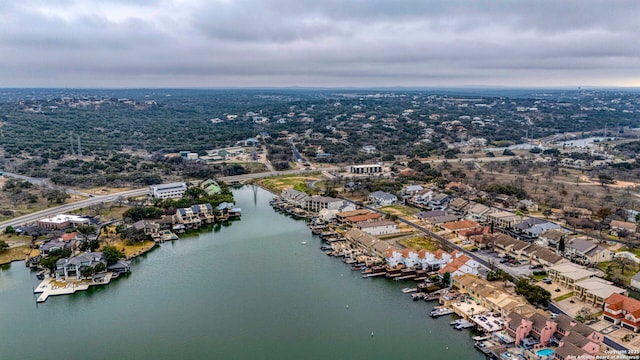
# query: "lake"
249,290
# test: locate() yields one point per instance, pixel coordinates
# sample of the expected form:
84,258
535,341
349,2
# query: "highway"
69,207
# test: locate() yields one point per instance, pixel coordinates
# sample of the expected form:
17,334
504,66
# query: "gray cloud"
318,43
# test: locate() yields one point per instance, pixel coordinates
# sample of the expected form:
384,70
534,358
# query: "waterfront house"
382,198
149,228
492,296
622,310
53,245
377,228
342,217
369,216
228,209
72,267
294,197
167,191
316,203
574,340
460,265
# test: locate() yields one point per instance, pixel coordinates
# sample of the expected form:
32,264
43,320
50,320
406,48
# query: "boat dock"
50,287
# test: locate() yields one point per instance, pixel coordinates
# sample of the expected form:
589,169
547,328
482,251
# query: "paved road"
69,207
45,183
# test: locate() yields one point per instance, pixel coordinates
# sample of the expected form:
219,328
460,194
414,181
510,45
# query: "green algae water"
249,290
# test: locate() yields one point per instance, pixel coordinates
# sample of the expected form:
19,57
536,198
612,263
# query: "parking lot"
514,270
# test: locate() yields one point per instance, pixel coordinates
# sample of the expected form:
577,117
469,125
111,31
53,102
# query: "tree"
9,230
57,196
100,267
3,246
561,245
446,278
87,271
111,254
547,212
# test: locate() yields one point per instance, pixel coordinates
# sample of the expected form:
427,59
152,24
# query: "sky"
319,43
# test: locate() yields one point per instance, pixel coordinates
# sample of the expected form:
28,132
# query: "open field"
17,253
279,183
400,210
133,249
420,242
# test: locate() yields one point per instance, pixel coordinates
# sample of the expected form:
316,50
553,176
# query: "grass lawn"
134,249
17,253
420,242
563,297
400,210
279,183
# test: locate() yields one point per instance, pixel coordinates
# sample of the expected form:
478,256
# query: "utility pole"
71,142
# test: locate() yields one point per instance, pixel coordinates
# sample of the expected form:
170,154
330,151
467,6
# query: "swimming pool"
545,352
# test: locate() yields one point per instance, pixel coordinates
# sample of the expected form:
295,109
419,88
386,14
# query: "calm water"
247,291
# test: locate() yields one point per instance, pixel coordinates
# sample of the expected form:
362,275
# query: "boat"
409,290
303,243
441,311
481,337
463,324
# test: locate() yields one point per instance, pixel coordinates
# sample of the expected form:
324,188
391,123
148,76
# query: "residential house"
439,201
635,281
478,212
150,228
294,197
587,252
595,291
527,205
460,265
551,237
492,296
443,219
622,310
411,190
576,212
619,227
503,219
341,217
369,216
574,340
316,203
53,245
72,267
458,205
425,215
382,198
462,225
377,228
568,274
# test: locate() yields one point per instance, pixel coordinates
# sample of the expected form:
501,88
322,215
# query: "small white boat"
303,243
409,290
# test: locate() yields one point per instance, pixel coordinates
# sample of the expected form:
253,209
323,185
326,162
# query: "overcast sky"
230,43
